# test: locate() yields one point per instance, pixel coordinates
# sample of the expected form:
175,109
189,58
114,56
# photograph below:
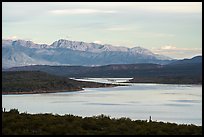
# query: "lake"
180,104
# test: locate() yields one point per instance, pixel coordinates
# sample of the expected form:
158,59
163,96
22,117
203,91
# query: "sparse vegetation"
15,123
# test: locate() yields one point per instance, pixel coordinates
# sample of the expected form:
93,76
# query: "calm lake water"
180,104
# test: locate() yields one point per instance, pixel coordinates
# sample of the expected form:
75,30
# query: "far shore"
39,92
165,83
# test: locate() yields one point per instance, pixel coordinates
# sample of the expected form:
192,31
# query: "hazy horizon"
102,44
173,29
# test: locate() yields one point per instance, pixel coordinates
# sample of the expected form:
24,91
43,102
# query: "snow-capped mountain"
66,52
83,46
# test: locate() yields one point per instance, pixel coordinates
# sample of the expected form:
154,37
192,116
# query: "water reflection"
170,103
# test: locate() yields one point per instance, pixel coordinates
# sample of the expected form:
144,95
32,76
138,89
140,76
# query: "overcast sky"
172,29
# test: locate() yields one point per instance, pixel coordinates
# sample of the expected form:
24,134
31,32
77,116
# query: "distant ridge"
196,59
120,70
66,52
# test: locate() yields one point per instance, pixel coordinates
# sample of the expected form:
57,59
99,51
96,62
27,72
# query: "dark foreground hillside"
41,82
15,123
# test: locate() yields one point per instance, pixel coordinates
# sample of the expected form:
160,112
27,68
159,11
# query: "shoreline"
75,90
39,92
165,83
52,91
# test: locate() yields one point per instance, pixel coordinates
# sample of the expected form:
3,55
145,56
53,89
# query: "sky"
173,29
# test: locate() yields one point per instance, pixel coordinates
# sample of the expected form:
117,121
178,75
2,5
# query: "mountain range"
65,52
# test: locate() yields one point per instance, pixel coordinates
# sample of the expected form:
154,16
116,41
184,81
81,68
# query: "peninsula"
32,82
